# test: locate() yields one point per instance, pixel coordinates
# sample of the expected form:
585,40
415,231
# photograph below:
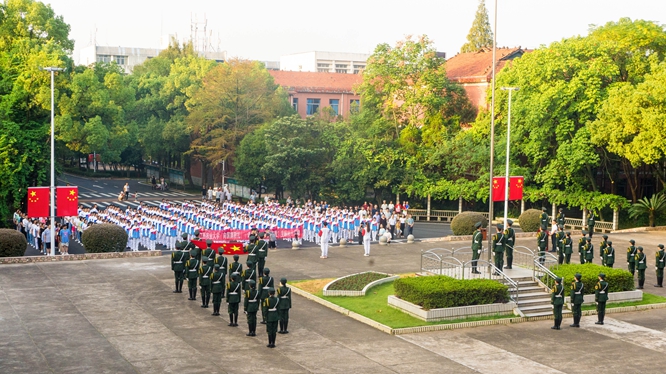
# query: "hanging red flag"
67,201
38,202
498,188
516,188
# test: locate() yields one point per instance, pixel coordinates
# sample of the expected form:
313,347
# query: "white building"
329,62
128,57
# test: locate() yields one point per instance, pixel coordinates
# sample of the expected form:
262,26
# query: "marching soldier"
195,251
590,223
248,274
499,242
217,289
542,243
589,251
265,283
560,218
576,299
601,296
192,267
631,257
544,219
602,249
284,294
270,304
581,246
178,260
477,246
510,235
559,239
222,261
557,299
251,306
609,254
233,299
235,267
251,249
262,253
641,265
205,273
209,252
659,265
568,247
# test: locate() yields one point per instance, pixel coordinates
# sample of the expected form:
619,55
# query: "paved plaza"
120,316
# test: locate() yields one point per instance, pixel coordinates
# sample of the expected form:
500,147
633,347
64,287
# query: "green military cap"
609,242
205,259
209,242
589,239
184,236
558,279
283,280
250,263
632,241
267,271
261,235
604,236
271,290
234,275
640,248
477,225
583,232
196,232
577,276
253,238
500,227
560,227
543,208
661,246
560,209
602,275
236,257
509,222
251,282
217,266
568,233
179,245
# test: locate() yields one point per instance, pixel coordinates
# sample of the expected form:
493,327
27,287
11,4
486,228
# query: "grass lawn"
648,298
375,306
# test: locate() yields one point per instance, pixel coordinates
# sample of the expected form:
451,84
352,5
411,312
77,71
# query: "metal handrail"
507,279
547,273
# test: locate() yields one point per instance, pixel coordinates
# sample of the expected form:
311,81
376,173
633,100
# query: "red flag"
516,188
498,188
229,248
67,201
38,202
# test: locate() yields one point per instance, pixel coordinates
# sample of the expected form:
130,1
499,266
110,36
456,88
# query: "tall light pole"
508,143
52,228
492,138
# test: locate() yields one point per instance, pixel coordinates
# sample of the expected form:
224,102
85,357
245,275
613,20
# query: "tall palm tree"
653,206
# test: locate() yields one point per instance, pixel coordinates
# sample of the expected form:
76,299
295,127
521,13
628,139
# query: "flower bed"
356,284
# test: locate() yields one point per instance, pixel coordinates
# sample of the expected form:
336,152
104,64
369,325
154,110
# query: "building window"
358,68
320,65
341,68
335,105
121,60
354,106
294,103
104,58
323,68
313,106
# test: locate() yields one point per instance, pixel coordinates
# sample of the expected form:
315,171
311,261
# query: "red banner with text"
229,248
236,235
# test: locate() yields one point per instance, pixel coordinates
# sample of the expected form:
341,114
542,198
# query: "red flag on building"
38,202
516,188
498,188
67,201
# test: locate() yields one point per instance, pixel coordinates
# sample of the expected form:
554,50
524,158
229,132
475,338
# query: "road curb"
77,257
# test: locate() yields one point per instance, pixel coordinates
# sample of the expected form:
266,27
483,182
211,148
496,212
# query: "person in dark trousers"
601,296
641,265
576,299
272,318
557,299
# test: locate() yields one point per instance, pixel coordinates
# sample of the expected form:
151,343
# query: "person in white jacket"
365,230
325,236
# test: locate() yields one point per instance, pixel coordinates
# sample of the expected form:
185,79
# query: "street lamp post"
508,143
52,189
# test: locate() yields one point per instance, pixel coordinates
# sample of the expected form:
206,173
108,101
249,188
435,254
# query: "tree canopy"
480,34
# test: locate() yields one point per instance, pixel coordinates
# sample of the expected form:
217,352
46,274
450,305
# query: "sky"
265,30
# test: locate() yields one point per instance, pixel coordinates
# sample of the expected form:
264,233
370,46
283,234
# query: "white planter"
363,292
613,297
433,315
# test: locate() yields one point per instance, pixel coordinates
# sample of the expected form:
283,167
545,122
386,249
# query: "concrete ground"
120,316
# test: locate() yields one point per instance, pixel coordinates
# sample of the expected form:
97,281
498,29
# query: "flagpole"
508,142
492,138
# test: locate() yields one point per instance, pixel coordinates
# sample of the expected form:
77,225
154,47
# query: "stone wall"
77,257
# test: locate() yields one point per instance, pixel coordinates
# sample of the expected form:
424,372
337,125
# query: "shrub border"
77,257
365,289
442,314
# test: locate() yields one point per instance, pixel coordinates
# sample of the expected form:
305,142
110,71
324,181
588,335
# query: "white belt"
193,269
233,293
252,301
178,262
284,297
640,262
558,295
251,254
577,293
272,310
610,255
216,282
602,291
661,260
205,276
265,288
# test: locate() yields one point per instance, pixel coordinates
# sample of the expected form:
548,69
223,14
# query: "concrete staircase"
533,300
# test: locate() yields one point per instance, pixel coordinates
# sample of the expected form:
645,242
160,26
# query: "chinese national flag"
38,202
516,188
67,201
498,188
229,248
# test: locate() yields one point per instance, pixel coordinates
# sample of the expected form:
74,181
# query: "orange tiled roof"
477,66
302,81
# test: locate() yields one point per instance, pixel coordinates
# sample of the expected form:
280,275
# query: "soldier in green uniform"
262,253
602,249
568,247
544,219
576,299
251,249
559,239
217,288
557,299
477,246
510,236
209,252
265,282
222,261
205,272
631,255
192,269
178,260
235,267
590,223
601,296
589,251
581,246
609,254
248,274
233,298
270,304
542,243
659,265
641,265
284,294
560,218
499,242
251,306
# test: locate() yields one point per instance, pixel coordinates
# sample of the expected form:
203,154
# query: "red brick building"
310,92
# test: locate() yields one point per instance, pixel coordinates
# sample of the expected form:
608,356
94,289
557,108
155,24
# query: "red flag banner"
229,248
67,201
38,202
516,188
236,235
498,188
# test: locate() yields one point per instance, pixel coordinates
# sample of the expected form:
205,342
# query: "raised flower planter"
613,297
379,278
433,315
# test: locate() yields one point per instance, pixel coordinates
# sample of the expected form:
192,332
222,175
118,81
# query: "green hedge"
530,220
357,282
439,291
463,223
104,237
12,243
618,279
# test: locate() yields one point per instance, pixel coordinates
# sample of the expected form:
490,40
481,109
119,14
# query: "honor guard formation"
253,286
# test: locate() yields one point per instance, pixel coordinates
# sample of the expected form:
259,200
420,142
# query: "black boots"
231,320
557,324
576,322
640,284
205,299
252,327
283,327
176,290
660,282
193,294
216,309
180,286
271,340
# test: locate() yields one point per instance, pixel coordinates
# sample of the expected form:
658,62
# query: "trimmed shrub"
618,279
530,220
356,282
104,237
12,243
463,223
439,291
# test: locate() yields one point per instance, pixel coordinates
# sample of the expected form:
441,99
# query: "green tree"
653,207
480,35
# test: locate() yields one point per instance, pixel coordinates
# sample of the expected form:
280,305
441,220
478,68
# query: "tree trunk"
626,166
